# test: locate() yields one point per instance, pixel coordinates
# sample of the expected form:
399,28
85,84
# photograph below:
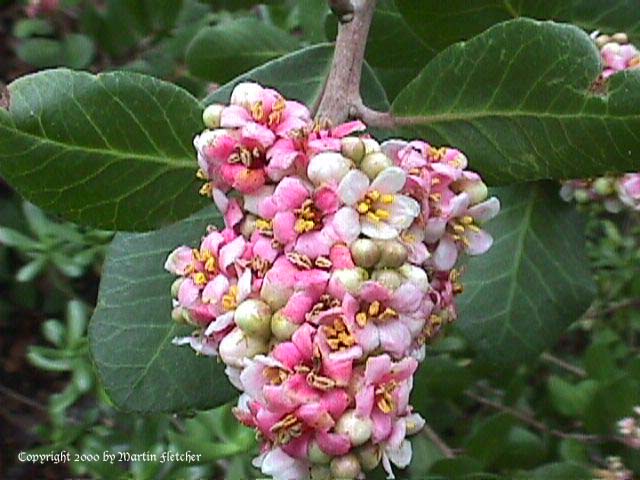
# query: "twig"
342,90
22,399
547,357
438,442
532,422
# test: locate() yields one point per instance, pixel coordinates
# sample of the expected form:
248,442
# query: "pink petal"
283,227
333,444
232,252
445,255
395,337
479,242
381,426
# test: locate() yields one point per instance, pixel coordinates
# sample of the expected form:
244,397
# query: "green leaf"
442,23
79,51
489,439
222,52
131,330
31,27
41,52
568,399
558,471
393,50
612,401
523,449
311,66
534,281
112,150
518,100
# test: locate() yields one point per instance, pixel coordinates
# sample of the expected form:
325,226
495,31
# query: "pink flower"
459,229
384,392
629,190
618,57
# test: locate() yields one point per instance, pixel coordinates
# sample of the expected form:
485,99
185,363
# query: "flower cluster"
629,428
615,193
335,267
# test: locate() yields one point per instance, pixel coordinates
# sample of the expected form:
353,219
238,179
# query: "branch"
342,90
437,441
547,357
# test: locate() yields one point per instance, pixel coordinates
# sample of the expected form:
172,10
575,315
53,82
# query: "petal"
283,227
234,116
313,244
389,180
401,456
178,261
333,443
215,289
485,211
376,369
434,230
479,242
364,401
188,293
290,194
353,187
403,211
446,254
253,200
346,225
232,252
378,230
259,134
395,338
381,426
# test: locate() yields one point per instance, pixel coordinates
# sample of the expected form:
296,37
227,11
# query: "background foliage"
545,358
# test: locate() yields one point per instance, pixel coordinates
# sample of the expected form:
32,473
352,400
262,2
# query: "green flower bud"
316,455
351,278
320,472
254,318
415,275
389,278
602,40
281,327
604,186
177,315
175,287
211,115
358,429
620,38
581,196
393,254
237,346
373,163
275,295
369,457
365,252
345,467
353,148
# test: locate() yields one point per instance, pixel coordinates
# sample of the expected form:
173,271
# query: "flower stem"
342,90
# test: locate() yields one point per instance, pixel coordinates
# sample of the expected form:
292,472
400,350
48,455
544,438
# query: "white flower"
327,167
375,209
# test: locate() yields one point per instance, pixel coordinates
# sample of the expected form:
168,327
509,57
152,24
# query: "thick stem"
342,90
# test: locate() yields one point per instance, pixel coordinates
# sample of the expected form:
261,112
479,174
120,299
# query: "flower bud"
275,295
415,275
177,315
353,148
369,457
392,254
211,115
603,186
245,94
248,226
581,196
476,189
620,38
388,278
254,318
371,146
320,472
373,163
327,167
345,467
175,287
358,429
237,346
365,252
281,327
351,279
602,40
316,455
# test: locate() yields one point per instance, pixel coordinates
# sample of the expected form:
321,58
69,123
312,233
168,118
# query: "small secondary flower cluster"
629,428
335,266
616,193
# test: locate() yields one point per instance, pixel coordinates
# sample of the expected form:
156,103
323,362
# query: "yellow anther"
276,111
361,319
200,279
374,309
467,219
634,62
383,214
458,228
363,207
474,228
200,174
206,190
435,181
373,217
211,265
257,111
374,195
435,197
264,225
230,300
387,198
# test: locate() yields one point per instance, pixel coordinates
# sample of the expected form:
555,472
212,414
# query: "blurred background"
554,418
